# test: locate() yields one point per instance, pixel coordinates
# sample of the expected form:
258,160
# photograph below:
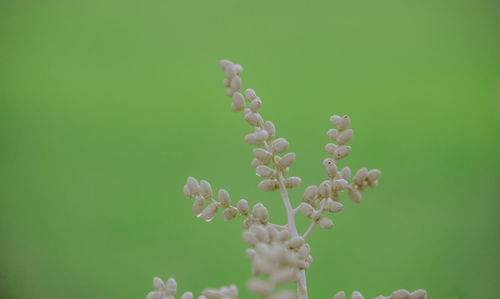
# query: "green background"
107,106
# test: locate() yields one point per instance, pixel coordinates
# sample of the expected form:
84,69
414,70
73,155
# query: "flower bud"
296,242
340,122
279,146
255,105
325,223
229,213
261,136
306,209
243,206
292,182
284,235
266,172
342,152
324,189
344,137
260,212
236,83
253,119
251,139
230,92
340,184
187,192
339,295
250,94
331,148
187,295
206,189
360,176
193,185
260,287
158,284
334,206
238,69
309,194
262,154
419,294
224,198
332,134
373,175
238,102
171,287
354,194
287,160
208,213
198,206
270,128
268,185
345,173
250,238
400,294
226,82
229,71
356,295
250,252
256,162
223,63
331,168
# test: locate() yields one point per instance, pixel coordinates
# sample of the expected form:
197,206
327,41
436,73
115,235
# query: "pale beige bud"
226,82
325,223
253,119
256,162
306,209
250,238
171,287
208,213
206,189
419,294
268,185
339,295
250,94
224,198
223,63
360,176
270,128
243,206
187,295
342,152
229,213
344,137
187,192
345,173
356,295
230,92
340,184
236,83
250,252
193,185
341,122
260,211
334,206
296,242
198,206
331,148
255,104
262,154
331,168
309,194
354,194
238,102
279,146
400,294
261,234
284,235
332,134
260,287
292,182
287,160
261,136
324,189
373,175
158,284
266,172
238,69
251,139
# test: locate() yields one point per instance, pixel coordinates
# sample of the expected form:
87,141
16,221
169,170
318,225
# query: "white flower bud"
260,211
331,148
306,209
356,295
339,295
334,206
208,213
261,136
340,122
229,213
360,176
206,189
296,242
243,206
270,128
325,223
266,172
331,168
158,284
238,102
251,139
340,184
344,137
287,160
253,119
171,287
419,294
256,162
345,173
260,287
268,185
279,146
198,206
250,94
342,152
193,185
292,182
236,83
373,175
224,198
262,154
309,194
223,63
400,294
255,104
332,134
187,295
354,194
324,189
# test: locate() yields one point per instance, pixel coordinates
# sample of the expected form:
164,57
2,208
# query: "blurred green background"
107,106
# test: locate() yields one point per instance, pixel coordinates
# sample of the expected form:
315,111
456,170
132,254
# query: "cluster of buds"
399,294
169,289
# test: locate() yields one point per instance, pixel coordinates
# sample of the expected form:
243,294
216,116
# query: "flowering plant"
279,254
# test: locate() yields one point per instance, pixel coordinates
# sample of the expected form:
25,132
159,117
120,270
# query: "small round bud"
419,294
253,119
262,154
292,182
344,137
356,295
284,235
206,189
251,139
260,212
187,295
354,194
158,284
224,198
334,206
261,136
171,287
243,206
268,185
325,223
324,189
341,122
255,104
400,294
339,295
198,206
373,175
193,185
238,102
208,213
360,176
306,209
332,134
236,83
296,242
345,173
330,148
287,160
331,168
309,194
223,63
270,128
266,172
250,94
340,184
279,146
342,152
229,213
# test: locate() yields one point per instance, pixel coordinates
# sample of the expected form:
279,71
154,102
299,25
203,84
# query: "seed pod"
339,295
296,242
309,194
187,295
279,146
261,136
356,295
256,104
229,213
339,185
354,194
171,287
324,189
270,128
331,148
260,211
332,134
193,185
292,182
268,185
238,102
306,209
334,206
373,175
250,94
243,206
400,294
419,294
260,287
208,213
325,223
224,198
331,168
287,160
206,189
360,176
198,206
266,172
236,83
344,137
342,152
